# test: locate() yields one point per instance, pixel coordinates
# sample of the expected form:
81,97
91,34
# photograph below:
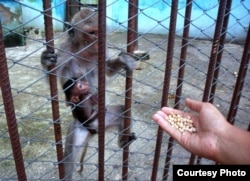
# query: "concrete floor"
33,109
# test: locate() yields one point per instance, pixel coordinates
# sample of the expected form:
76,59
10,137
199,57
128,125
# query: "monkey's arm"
123,61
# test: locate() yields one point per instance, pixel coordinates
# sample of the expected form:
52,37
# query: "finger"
169,111
160,119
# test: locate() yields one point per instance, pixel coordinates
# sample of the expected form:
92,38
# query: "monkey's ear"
70,28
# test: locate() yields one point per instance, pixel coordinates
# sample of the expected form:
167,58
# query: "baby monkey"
78,90
79,98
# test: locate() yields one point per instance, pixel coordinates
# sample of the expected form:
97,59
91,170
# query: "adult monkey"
77,69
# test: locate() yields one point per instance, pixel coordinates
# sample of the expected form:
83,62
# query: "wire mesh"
191,51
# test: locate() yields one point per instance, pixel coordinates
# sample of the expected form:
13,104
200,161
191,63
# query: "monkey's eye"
91,32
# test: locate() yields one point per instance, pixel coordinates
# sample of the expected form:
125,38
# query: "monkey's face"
80,88
85,29
90,36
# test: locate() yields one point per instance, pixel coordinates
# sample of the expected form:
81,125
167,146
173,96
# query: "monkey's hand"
48,58
122,143
123,61
127,61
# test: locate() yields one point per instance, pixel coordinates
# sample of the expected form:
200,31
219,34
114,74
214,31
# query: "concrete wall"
32,16
153,16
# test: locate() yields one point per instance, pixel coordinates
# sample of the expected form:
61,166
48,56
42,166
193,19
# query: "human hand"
209,123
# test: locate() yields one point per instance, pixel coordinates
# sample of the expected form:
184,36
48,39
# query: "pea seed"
181,123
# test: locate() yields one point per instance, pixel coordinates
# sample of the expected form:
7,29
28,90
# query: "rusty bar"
127,121
131,45
183,53
212,61
240,80
72,7
10,111
214,50
170,53
167,77
221,47
101,86
53,86
132,38
157,152
67,11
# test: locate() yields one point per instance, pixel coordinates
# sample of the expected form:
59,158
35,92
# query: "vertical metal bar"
170,53
180,76
10,111
221,47
212,61
132,44
183,54
53,87
101,85
132,34
214,50
167,77
157,153
239,83
72,7
240,80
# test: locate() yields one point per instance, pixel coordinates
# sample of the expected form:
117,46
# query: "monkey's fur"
77,59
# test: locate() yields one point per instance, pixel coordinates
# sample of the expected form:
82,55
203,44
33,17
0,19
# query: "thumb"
193,104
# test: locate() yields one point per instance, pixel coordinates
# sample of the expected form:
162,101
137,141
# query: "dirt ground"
33,109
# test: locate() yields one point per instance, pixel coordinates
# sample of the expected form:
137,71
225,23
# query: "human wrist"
224,143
